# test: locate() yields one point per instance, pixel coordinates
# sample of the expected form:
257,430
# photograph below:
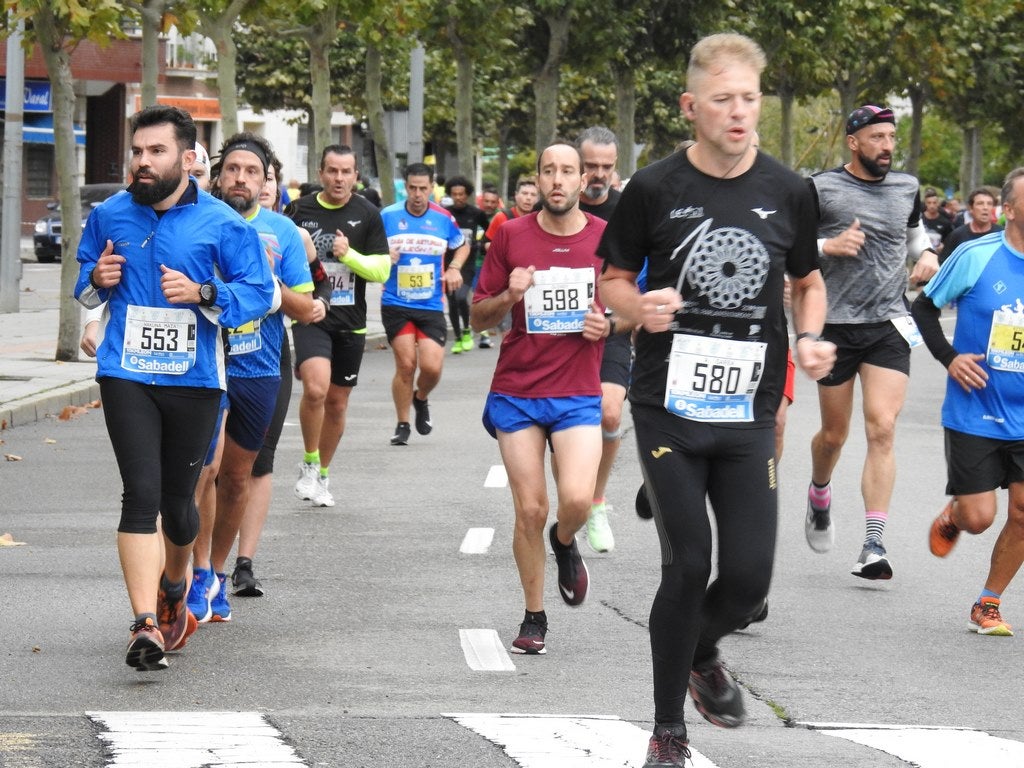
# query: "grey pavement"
33,384
355,656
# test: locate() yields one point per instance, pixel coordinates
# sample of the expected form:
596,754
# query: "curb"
29,410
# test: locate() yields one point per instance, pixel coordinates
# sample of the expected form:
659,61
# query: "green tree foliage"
57,27
623,66
982,86
460,36
794,39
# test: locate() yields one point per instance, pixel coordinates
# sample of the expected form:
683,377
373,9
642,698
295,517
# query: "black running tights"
683,463
160,437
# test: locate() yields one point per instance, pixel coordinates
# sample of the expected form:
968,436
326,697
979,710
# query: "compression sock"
874,522
172,592
820,496
537,617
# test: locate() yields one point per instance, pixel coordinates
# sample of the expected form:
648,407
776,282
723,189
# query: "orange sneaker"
146,647
944,533
985,619
176,621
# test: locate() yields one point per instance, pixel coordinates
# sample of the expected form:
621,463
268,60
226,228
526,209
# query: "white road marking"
559,741
484,652
497,477
193,740
477,541
929,747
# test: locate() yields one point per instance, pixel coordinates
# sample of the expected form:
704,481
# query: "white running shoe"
599,532
819,529
322,496
305,486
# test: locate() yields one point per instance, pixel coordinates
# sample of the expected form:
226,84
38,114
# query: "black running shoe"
423,425
531,638
401,436
643,504
244,582
759,615
667,750
717,696
573,578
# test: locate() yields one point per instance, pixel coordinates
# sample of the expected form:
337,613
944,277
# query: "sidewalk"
33,385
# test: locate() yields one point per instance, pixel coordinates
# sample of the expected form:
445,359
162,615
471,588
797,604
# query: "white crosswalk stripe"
558,741
477,541
497,477
193,740
929,747
484,652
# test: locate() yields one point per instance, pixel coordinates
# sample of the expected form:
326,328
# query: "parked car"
47,234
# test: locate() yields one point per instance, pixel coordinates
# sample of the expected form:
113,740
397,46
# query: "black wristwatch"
207,294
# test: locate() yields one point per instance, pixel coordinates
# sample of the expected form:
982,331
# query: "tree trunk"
977,172
58,66
916,124
319,39
970,160
503,180
219,29
151,12
375,113
786,100
625,119
312,153
547,79
848,89
320,76
227,67
464,111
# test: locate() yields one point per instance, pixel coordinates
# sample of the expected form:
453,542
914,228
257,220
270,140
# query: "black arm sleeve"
927,315
322,287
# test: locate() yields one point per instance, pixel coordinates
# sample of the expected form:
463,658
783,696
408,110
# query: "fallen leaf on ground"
70,412
12,457
49,441
8,541
94,404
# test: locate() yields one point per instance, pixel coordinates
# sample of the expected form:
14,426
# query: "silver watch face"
206,292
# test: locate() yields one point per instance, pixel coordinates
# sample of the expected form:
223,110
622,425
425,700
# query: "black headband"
247,146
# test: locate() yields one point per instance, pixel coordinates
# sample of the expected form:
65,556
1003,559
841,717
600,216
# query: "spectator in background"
473,223
981,204
936,223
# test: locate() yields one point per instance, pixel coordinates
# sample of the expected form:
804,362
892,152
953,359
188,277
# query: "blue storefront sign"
38,96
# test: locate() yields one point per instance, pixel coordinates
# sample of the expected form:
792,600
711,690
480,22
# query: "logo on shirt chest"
689,212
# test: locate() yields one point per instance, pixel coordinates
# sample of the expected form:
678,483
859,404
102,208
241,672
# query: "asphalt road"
354,655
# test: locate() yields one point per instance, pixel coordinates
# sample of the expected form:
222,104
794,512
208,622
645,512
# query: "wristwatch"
207,294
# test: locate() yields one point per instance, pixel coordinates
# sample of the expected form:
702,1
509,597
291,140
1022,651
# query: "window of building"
39,171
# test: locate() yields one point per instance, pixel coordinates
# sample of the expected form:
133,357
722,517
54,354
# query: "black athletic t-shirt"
360,221
739,236
961,235
473,223
603,210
